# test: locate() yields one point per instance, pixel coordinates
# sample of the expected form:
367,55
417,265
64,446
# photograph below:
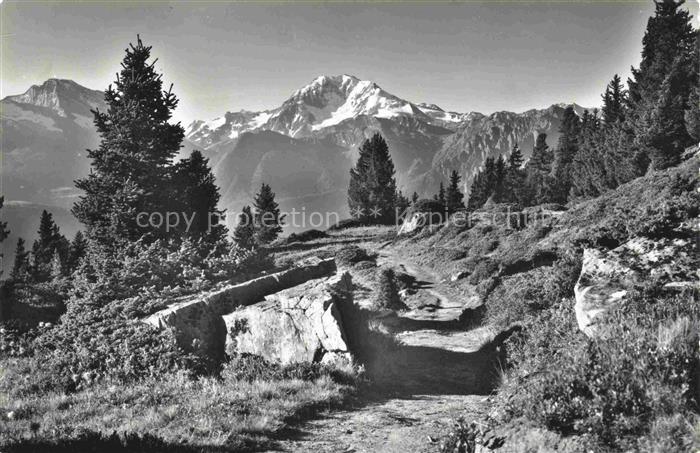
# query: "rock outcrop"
197,323
607,276
301,324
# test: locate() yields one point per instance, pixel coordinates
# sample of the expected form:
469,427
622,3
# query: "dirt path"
446,372
395,425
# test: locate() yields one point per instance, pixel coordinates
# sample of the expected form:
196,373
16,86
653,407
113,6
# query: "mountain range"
304,148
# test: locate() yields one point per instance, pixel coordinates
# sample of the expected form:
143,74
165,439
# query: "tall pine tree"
499,183
483,185
197,196
372,188
78,250
515,177
567,148
21,264
244,233
49,244
268,220
660,88
440,196
454,198
130,168
538,182
3,229
614,101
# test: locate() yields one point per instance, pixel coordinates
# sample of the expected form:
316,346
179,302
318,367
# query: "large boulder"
301,324
197,323
607,276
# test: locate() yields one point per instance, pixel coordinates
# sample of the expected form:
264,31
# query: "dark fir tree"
483,185
541,159
244,233
692,115
130,168
414,197
198,196
614,101
667,135
78,250
660,88
373,183
21,264
268,220
588,172
538,181
567,147
440,196
50,243
515,177
499,182
454,197
3,229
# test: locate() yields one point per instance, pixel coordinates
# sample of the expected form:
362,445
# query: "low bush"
305,236
99,338
348,223
387,291
623,390
352,254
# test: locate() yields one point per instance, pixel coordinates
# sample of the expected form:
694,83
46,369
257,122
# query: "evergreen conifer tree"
373,183
661,85
268,220
483,185
3,229
244,233
692,115
130,168
541,159
78,250
538,182
198,195
567,148
440,196
614,100
515,177
21,264
50,243
499,182
454,197
414,197
667,136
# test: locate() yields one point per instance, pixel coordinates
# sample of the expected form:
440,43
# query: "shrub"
348,223
481,270
144,278
351,254
305,236
388,293
100,338
618,388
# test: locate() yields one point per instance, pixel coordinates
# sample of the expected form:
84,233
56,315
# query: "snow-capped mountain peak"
325,102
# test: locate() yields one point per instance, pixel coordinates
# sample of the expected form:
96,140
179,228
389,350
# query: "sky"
228,56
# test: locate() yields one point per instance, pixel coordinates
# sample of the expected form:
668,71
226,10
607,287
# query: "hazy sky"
231,56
